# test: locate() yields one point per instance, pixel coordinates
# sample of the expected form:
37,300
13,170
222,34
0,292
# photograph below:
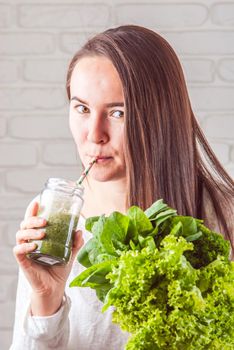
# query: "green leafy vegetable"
168,277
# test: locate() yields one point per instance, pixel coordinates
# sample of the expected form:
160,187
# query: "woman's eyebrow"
108,105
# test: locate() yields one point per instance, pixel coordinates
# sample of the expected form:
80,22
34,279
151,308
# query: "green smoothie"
55,248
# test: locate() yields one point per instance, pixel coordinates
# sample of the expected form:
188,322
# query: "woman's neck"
104,197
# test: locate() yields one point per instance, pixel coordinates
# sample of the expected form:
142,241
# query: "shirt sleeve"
38,332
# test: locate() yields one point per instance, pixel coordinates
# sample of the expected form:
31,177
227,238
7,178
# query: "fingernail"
39,233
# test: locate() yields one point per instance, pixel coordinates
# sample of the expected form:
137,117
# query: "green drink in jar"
60,204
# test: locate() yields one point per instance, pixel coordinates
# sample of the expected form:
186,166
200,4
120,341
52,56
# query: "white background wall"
37,39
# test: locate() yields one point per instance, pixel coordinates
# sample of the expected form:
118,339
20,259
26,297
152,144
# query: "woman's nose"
97,130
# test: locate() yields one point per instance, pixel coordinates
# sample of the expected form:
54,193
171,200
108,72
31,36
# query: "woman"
129,106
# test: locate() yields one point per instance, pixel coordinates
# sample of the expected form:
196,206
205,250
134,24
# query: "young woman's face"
97,117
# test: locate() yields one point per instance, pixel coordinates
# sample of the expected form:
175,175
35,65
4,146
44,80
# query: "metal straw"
85,172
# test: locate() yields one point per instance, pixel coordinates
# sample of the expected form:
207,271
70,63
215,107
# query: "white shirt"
78,325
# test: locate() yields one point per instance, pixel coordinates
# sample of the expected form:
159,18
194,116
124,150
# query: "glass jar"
60,204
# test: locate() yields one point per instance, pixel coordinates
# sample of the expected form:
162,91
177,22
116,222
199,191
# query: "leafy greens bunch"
168,277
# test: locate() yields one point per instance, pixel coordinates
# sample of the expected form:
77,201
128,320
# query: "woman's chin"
104,176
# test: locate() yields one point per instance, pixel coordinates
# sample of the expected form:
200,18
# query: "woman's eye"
82,109
117,114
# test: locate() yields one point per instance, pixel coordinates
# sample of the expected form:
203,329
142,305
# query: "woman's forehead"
95,77
91,65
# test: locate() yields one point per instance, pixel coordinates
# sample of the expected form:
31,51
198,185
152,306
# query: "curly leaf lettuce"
162,301
168,277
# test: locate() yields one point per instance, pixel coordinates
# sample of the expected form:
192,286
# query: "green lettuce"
168,277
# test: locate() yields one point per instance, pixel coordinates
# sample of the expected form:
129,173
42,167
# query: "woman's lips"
100,158
103,159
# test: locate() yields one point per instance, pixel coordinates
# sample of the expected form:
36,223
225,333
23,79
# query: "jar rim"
66,186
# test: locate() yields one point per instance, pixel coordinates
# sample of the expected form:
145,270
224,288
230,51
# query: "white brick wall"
37,39
226,69
31,98
63,16
24,43
162,15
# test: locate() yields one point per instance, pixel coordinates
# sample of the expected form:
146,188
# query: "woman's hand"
48,283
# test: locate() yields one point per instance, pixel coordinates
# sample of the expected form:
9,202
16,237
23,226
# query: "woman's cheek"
72,126
76,131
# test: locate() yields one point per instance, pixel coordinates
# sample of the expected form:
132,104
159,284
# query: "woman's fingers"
32,222
32,209
21,250
23,236
31,219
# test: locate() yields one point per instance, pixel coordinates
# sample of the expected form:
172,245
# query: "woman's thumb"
78,242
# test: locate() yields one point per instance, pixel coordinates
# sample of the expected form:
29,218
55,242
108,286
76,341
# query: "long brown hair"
165,147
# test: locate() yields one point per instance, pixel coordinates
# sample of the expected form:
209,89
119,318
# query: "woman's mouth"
101,159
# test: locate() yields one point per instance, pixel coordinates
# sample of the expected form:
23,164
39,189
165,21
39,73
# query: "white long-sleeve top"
78,325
